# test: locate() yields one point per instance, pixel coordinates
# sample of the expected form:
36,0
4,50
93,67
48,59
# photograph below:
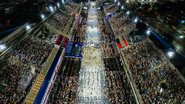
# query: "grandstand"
87,56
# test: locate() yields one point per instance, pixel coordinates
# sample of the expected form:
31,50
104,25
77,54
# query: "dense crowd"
33,51
70,8
118,20
157,80
60,19
65,86
135,38
20,67
111,8
119,89
120,24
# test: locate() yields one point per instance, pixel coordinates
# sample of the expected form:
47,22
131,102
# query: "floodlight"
28,27
148,31
2,47
170,54
136,20
181,37
58,4
51,8
128,12
122,7
42,16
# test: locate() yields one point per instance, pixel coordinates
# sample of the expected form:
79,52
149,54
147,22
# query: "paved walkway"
92,85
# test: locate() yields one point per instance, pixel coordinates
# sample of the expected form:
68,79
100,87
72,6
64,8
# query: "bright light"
118,3
2,47
28,27
92,45
148,31
127,1
136,20
161,90
51,8
122,7
128,12
170,54
181,37
85,8
42,16
63,2
182,21
115,1
58,4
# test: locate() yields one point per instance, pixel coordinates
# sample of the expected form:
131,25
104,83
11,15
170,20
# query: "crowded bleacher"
21,65
119,21
65,86
60,19
119,89
156,80
103,74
